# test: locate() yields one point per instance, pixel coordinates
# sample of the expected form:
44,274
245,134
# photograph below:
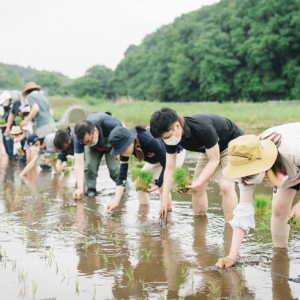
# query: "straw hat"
248,155
30,86
16,130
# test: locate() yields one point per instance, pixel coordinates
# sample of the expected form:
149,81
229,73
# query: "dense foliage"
232,50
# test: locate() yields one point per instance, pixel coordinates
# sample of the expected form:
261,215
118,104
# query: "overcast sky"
70,36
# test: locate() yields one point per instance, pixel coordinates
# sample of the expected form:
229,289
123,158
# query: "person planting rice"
39,147
208,134
273,158
90,144
64,142
140,142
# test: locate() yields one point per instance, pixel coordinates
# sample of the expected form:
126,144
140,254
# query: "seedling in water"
261,203
146,232
14,265
213,288
181,178
77,285
164,262
34,288
184,269
99,227
117,241
163,296
105,258
56,267
97,249
148,253
116,267
142,281
129,273
94,295
110,235
143,180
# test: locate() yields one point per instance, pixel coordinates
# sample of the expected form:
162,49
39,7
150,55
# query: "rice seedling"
148,253
14,265
105,258
164,262
72,211
64,277
184,269
116,267
18,120
129,273
261,203
117,242
142,281
163,295
69,162
97,249
110,235
2,121
294,222
139,165
146,232
51,156
34,288
143,180
77,285
37,243
213,287
66,172
92,227
132,246
94,295
264,222
181,178
56,265
135,173
99,227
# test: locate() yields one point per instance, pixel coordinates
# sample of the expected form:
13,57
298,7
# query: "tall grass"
250,116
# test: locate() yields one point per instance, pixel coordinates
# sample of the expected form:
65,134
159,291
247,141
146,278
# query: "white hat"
4,96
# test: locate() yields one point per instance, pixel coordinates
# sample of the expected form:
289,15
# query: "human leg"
92,160
229,198
281,205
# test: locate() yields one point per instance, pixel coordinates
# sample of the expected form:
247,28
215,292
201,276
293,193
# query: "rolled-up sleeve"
243,217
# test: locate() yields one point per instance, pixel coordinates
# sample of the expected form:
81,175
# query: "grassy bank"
251,117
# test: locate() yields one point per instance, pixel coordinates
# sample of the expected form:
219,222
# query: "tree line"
233,50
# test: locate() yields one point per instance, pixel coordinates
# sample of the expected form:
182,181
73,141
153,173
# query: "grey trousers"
92,159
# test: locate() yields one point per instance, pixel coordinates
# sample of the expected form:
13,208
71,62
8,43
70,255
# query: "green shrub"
181,177
261,203
143,180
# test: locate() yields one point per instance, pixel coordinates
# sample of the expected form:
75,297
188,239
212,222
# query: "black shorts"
295,187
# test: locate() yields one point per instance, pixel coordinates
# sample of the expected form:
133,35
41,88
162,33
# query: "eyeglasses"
89,141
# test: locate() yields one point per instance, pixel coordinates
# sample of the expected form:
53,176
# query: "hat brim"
131,138
268,157
16,132
31,87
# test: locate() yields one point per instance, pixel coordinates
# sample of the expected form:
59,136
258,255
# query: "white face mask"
94,144
173,140
256,179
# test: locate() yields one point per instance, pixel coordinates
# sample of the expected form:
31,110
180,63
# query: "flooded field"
52,247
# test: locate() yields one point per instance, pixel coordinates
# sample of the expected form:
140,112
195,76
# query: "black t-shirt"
203,131
15,107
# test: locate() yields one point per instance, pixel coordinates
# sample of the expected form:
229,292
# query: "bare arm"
79,174
33,111
30,165
213,155
10,120
168,180
51,112
118,195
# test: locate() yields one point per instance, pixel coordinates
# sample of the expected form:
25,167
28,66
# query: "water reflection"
103,251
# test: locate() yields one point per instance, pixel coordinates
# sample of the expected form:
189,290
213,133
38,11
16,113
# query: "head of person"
249,159
15,131
122,141
62,139
34,141
24,111
30,87
87,132
5,99
165,124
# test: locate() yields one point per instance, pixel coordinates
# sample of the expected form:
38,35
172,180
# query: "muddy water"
71,250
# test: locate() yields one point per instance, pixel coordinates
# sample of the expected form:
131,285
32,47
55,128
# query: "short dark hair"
162,121
62,139
82,128
30,91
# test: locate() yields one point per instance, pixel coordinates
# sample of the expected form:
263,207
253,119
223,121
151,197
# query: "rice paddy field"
52,247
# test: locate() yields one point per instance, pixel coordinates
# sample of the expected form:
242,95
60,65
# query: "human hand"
295,212
110,207
77,194
191,186
6,133
23,123
152,188
46,161
166,206
183,192
225,262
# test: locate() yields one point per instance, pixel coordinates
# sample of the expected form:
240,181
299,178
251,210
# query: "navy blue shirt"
154,152
203,131
109,123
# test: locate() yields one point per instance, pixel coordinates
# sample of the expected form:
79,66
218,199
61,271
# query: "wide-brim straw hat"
30,86
120,138
15,130
248,155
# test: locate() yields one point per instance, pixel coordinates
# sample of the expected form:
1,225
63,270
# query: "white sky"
70,36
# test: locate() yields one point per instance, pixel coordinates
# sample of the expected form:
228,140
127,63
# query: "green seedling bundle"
181,178
18,120
143,180
261,203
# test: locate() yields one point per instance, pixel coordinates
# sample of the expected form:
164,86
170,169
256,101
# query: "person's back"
43,116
